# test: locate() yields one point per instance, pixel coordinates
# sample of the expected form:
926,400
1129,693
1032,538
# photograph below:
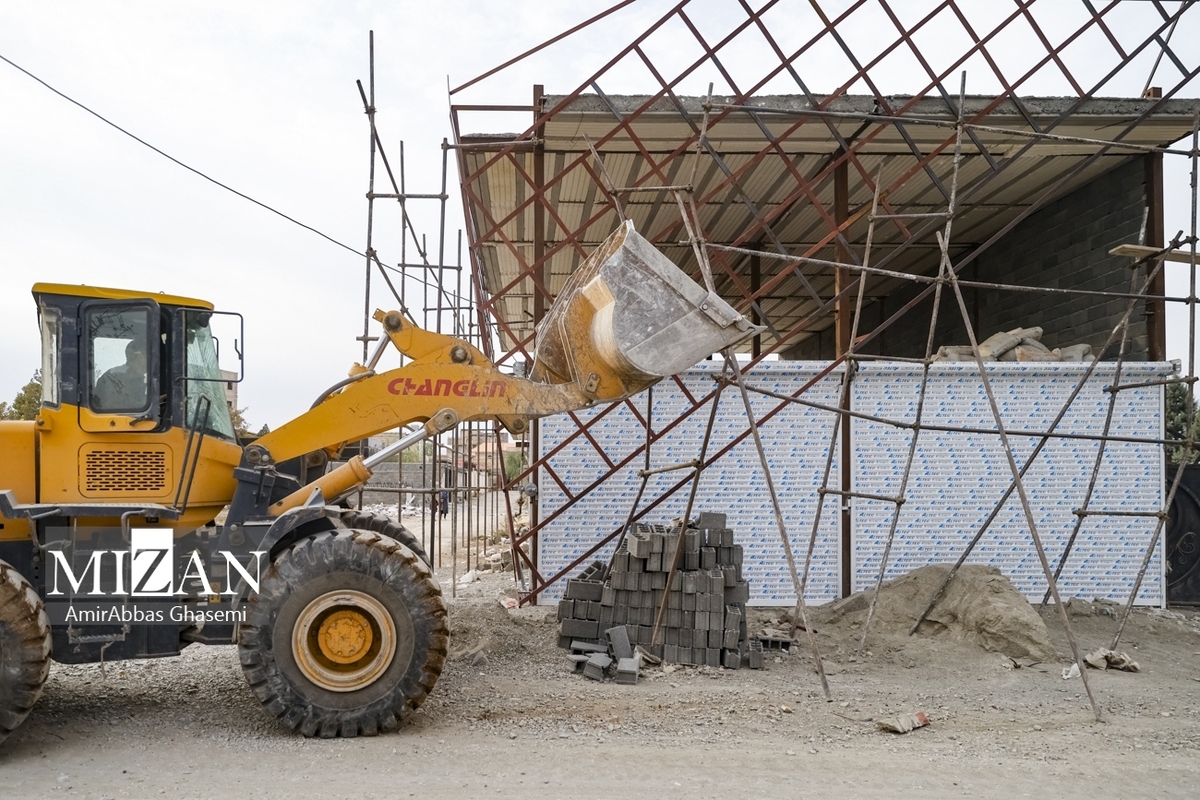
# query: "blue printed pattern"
796,440
957,478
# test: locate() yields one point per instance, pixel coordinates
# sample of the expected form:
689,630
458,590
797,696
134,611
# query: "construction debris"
705,619
903,724
1019,344
1107,659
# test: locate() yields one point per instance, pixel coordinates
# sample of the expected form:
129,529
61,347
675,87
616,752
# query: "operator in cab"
123,388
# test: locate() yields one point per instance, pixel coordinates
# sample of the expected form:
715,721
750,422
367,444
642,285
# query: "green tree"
1177,415
514,462
240,423
27,402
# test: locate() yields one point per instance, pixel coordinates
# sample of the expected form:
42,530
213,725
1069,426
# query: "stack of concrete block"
705,619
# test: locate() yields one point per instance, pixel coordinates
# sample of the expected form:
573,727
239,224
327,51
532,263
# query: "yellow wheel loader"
110,545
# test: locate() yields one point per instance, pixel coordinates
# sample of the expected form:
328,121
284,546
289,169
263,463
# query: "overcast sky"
260,96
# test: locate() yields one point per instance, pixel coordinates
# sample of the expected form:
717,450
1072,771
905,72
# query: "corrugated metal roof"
625,130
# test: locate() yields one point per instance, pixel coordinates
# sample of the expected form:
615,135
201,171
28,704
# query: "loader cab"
128,379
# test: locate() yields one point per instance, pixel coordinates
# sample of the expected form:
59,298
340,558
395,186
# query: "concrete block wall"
1063,245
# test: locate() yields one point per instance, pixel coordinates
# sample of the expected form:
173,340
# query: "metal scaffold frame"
931,151
460,489
663,174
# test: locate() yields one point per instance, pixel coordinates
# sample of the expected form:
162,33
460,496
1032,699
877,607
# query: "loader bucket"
627,318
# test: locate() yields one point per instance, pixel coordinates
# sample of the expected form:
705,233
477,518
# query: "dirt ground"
508,719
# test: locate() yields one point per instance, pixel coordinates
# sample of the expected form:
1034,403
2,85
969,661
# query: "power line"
193,170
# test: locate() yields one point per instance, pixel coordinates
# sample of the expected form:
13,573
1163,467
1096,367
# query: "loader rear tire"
346,636
24,648
360,520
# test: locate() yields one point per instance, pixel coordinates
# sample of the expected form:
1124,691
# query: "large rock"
979,606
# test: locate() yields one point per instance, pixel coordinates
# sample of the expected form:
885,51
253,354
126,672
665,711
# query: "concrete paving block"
584,590
618,639
739,593
627,670
756,655
580,628
733,615
670,547
566,609
596,665
716,580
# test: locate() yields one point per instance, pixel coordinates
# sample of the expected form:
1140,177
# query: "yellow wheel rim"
343,641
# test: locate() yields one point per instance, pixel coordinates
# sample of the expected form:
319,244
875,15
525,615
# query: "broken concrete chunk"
904,723
596,665
1076,352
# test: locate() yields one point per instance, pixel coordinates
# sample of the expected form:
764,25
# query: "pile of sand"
979,606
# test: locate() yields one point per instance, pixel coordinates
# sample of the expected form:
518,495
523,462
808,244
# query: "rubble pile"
705,619
1019,344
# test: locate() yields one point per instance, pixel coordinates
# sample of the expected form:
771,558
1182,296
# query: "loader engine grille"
126,471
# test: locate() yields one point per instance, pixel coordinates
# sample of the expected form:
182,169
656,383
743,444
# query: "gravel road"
508,720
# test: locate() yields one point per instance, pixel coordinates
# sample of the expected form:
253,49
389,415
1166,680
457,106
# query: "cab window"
206,407
119,351
50,357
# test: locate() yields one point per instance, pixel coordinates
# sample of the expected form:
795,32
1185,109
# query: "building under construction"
879,188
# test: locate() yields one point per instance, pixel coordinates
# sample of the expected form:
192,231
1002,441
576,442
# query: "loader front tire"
363,521
24,648
346,636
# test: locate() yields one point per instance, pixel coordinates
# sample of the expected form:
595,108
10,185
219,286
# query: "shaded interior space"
1045,187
